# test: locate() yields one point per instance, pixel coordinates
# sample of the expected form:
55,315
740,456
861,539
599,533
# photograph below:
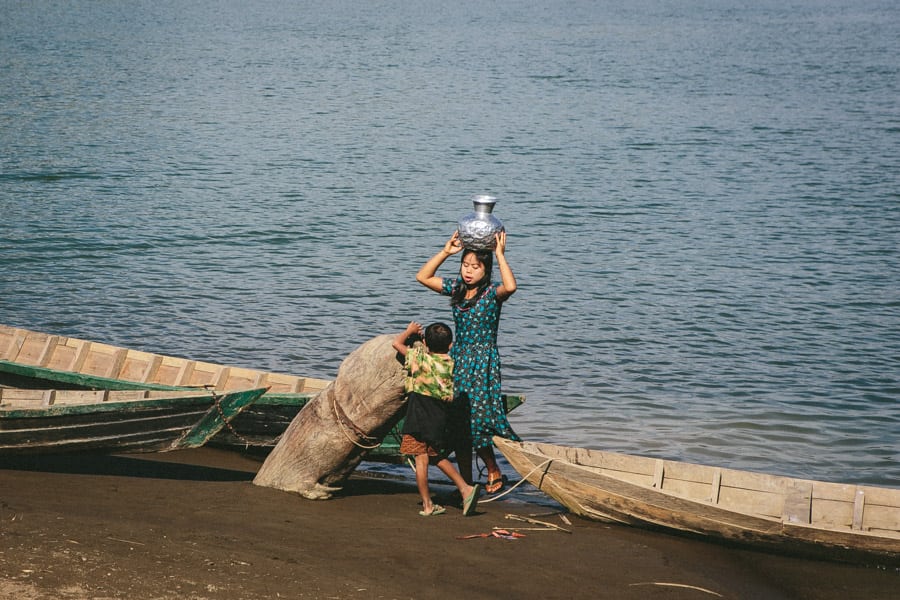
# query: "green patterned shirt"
429,374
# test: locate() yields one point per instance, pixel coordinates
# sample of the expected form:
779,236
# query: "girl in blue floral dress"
476,303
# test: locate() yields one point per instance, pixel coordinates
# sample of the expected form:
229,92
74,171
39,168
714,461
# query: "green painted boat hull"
147,425
255,430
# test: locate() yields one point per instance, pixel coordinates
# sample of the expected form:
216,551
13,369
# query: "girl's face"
472,269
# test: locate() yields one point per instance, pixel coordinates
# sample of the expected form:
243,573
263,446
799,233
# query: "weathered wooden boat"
64,421
857,523
40,360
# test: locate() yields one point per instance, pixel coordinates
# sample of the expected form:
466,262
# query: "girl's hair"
458,295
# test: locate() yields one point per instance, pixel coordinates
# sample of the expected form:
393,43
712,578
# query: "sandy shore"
191,525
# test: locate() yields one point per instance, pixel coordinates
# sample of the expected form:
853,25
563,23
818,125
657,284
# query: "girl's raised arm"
508,280
427,274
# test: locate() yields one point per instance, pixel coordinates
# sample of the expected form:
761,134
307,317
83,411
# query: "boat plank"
8,346
98,360
202,374
240,377
79,356
116,363
798,504
47,351
64,354
715,486
659,471
882,518
29,348
135,365
221,378
168,371
151,369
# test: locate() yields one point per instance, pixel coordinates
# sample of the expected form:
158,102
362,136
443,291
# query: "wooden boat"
62,421
857,523
39,360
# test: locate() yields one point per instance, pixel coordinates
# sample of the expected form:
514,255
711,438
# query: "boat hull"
820,519
30,359
59,422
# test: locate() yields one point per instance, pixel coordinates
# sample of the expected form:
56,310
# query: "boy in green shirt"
429,389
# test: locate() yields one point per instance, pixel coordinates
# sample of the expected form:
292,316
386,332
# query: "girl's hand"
453,245
500,238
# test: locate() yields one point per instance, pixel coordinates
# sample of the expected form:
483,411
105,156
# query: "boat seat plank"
115,365
221,378
659,470
152,368
29,348
715,486
15,339
48,350
859,506
185,373
798,504
48,397
81,354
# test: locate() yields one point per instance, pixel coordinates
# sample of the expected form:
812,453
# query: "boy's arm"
399,342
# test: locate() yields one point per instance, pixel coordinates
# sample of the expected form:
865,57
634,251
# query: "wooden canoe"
856,523
40,360
65,421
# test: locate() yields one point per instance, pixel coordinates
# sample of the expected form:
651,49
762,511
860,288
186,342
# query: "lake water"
702,199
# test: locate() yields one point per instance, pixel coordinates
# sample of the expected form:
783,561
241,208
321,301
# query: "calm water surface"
701,197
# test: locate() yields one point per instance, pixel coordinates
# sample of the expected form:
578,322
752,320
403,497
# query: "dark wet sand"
191,525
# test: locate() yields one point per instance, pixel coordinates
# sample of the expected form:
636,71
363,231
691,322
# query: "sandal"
436,509
471,501
495,484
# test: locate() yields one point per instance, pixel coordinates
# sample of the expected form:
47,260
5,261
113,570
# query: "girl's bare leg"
495,477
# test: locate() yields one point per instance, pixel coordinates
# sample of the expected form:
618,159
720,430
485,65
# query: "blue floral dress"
476,373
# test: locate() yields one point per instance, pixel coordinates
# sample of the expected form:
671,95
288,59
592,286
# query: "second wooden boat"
65,421
857,523
31,359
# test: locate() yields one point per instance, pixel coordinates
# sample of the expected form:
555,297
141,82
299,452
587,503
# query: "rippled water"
702,200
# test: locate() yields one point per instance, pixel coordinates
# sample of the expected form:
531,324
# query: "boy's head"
438,338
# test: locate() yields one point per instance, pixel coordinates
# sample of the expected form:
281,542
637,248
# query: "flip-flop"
495,485
436,510
471,501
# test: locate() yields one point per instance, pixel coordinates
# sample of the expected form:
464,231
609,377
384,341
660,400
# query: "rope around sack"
342,417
